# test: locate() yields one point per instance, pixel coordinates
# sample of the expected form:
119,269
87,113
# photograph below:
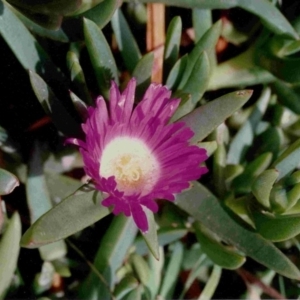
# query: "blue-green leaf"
9,252
101,57
205,207
126,42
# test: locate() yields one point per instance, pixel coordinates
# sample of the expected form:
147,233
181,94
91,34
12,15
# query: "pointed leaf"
142,72
8,182
197,83
53,107
244,138
101,57
126,42
126,285
221,255
206,118
151,236
172,271
66,218
205,207
9,252
261,187
288,160
287,69
176,73
110,255
211,284
287,95
276,228
165,237
238,71
102,13
39,202
77,75
25,47
207,43
202,21
243,183
140,267
172,45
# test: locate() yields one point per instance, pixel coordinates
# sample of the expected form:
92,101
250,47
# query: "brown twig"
156,37
249,278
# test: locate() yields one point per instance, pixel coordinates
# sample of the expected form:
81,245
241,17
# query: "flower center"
134,166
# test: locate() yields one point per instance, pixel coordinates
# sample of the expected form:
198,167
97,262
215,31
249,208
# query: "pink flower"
133,155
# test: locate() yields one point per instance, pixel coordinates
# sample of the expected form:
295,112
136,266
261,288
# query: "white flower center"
134,166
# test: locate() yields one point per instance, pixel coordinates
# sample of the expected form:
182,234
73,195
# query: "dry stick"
250,278
156,37
98,274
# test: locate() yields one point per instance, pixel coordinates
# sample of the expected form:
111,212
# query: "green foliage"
248,205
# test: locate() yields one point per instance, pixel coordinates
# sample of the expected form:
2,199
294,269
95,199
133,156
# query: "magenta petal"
176,161
139,217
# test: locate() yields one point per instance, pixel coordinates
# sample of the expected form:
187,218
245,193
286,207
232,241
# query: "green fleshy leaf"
265,10
134,294
101,57
211,284
85,5
176,73
60,186
231,172
151,236
57,35
140,267
205,207
165,237
232,35
287,69
239,71
291,48
270,140
221,255
142,73
39,202
206,118
287,95
9,252
126,285
126,42
172,45
202,21
8,182
61,221
197,83
172,271
245,136
25,47
53,107
262,186
276,228
210,147
77,75
48,14
240,207
102,13
207,43
48,7
288,160
79,106
243,183
155,276
110,255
